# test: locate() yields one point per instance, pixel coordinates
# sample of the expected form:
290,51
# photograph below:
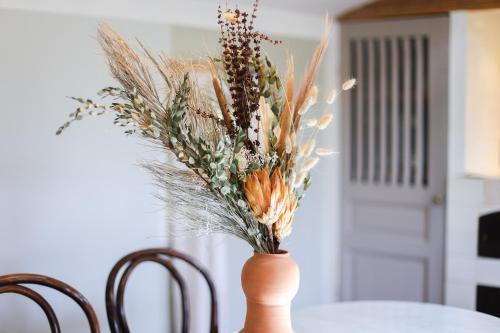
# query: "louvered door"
395,159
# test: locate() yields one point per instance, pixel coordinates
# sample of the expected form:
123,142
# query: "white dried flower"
231,17
299,179
312,98
312,122
288,145
348,84
241,160
293,176
313,94
306,149
277,131
323,151
309,103
324,121
309,164
331,97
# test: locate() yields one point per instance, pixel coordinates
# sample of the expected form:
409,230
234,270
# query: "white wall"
472,114
72,205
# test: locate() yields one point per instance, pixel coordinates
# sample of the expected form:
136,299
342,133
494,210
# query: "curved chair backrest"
15,283
162,256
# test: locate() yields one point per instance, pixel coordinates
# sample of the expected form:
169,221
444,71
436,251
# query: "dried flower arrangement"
246,140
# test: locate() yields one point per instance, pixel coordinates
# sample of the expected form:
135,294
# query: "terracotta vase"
270,282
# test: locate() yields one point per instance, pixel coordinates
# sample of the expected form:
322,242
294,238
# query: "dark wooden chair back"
15,283
162,256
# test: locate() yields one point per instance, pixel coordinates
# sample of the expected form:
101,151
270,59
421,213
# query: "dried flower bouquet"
245,138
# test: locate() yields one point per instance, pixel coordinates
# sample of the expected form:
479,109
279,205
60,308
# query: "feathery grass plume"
286,118
307,82
203,210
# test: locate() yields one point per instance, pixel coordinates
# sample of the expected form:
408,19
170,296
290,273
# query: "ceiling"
333,7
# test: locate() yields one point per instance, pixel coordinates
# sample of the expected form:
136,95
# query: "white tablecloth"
392,317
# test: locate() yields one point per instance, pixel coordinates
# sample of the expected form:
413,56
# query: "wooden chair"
15,283
162,256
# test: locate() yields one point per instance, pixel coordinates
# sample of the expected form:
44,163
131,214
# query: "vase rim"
281,253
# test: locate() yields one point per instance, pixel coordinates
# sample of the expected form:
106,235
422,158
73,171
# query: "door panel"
395,166
383,276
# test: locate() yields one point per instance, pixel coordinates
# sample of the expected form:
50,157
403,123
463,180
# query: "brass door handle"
438,199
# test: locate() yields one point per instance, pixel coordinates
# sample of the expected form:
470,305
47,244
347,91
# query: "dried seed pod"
331,97
307,149
323,151
299,179
348,84
288,145
312,122
309,164
325,120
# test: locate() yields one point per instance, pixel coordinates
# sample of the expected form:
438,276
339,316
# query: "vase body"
270,282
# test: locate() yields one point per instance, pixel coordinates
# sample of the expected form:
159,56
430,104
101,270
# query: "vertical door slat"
407,111
359,119
354,112
377,95
388,98
413,111
426,125
371,112
419,114
383,113
395,111
365,118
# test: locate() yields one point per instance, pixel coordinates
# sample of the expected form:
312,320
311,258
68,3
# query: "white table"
392,317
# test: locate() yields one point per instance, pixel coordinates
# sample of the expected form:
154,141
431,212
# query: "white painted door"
395,126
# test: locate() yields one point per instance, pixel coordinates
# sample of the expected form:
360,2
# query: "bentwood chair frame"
162,256
15,283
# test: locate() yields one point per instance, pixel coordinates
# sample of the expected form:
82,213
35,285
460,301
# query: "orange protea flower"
271,199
